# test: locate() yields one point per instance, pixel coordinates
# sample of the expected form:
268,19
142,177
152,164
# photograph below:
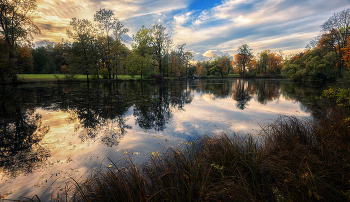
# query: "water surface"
52,133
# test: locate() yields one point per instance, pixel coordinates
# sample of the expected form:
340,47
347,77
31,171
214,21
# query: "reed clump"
292,160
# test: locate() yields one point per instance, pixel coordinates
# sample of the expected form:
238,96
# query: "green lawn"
53,77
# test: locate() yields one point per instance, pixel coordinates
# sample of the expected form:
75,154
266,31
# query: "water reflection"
63,124
241,91
20,132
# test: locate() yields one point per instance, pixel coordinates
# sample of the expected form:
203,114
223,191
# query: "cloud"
262,24
258,24
214,53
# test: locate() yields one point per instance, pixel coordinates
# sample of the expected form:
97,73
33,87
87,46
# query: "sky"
207,27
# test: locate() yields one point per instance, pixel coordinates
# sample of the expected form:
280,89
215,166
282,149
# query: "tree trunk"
12,64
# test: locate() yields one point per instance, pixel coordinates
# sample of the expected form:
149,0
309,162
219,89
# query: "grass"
294,160
56,77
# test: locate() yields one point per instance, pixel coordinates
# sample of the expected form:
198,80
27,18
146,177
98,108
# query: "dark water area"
51,133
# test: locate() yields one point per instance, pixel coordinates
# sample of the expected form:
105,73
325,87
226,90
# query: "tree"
346,55
43,63
244,53
58,55
17,27
276,62
3,59
160,42
142,50
337,30
106,23
118,31
264,61
84,53
187,58
199,68
25,60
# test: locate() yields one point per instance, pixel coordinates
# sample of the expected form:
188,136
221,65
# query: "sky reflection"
192,110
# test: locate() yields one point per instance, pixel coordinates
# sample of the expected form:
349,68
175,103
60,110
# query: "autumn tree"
225,65
199,68
17,27
253,65
276,62
337,30
346,54
24,57
243,57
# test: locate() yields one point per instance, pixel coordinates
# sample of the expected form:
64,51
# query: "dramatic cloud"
214,25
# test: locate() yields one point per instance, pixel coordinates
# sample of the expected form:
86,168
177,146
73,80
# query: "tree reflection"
21,131
240,92
153,110
99,114
267,91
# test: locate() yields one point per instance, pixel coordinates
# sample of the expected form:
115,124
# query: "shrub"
249,74
104,73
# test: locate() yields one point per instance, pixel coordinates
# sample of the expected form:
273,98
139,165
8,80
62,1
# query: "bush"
104,73
249,75
217,74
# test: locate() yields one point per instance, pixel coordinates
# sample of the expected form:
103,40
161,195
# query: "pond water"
53,133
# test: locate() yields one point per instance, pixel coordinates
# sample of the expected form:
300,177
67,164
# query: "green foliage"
43,63
104,73
250,74
315,64
245,50
342,96
191,71
217,74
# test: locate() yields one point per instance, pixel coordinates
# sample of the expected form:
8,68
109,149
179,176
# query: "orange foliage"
239,62
252,64
326,40
224,64
276,62
64,69
25,52
346,53
199,70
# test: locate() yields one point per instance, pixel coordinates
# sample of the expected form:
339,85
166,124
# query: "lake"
53,133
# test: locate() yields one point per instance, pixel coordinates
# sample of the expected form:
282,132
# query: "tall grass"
293,160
